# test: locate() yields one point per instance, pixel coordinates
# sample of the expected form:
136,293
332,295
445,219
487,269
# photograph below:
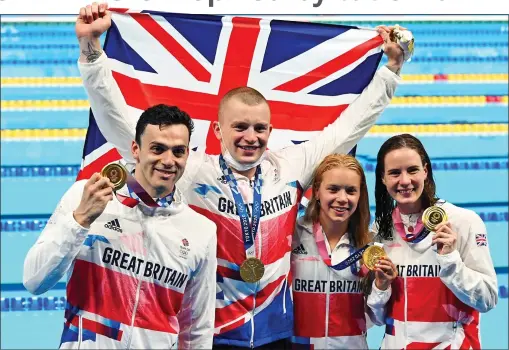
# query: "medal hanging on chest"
370,253
252,269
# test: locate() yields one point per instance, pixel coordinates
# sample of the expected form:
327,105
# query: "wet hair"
385,204
163,115
358,223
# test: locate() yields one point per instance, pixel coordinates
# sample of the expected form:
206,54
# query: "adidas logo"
300,250
113,225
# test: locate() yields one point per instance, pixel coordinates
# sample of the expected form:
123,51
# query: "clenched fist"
93,21
97,193
385,273
394,52
445,238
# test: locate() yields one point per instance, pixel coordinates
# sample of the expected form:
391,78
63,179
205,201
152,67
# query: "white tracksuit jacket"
331,311
437,299
247,314
138,278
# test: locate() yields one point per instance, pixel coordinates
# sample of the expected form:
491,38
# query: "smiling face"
244,130
243,125
405,176
339,201
338,194
161,157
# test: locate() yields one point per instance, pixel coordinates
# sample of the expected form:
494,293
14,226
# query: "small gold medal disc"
116,173
433,216
252,270
371,256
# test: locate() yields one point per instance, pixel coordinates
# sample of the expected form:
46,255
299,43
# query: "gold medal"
433,216
371,256
116,173
405,39
252,270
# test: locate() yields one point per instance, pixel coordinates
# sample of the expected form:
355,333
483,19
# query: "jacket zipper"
80,338
327,310
134,314
137,299
285,286
454,329
256,291
252,320
406,307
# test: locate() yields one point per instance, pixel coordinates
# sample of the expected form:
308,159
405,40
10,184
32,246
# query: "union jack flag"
309,72
480,239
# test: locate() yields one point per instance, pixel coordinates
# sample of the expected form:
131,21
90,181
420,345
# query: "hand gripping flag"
309,72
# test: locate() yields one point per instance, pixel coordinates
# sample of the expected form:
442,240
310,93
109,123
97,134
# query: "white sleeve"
375,304
108,105
56,248
344,133
197,316
471,275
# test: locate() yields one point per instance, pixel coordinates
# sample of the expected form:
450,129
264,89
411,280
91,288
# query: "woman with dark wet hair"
446,276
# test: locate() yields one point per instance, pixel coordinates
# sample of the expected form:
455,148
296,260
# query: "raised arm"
110,109
59,243
106,101
344,133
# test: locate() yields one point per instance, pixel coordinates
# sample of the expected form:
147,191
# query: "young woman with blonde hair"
330,306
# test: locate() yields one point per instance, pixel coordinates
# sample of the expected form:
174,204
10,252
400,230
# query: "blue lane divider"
54,303
19,304
39,171
452,51
37,225
64,170
455,165
50,34
500,58
72,170
22,225
39,62
76,46
463,44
